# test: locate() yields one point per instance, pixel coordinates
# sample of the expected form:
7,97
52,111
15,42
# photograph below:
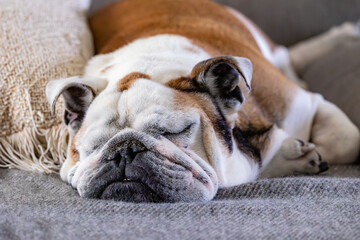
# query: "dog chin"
129,191
150,177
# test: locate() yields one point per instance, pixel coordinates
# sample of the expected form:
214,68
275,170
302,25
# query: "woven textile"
40,40
325,207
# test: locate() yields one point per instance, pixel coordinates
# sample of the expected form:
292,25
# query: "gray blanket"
36,206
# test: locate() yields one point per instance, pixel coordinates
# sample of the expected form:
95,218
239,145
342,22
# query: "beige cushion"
40,40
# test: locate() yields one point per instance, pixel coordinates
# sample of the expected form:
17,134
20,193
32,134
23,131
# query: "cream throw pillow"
40,40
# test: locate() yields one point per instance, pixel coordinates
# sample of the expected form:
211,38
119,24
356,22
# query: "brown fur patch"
181,83
120,23
125,83
185,84
73,154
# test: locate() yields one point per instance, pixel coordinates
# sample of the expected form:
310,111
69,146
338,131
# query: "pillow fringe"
36,150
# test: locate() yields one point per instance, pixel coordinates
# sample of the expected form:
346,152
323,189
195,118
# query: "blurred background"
287,21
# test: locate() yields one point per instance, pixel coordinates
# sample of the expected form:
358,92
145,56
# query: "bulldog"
186,97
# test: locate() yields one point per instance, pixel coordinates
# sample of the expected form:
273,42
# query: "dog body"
166,112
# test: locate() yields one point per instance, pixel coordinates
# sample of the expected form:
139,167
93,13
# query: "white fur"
299,117
231,169
163,57
277,138
237,169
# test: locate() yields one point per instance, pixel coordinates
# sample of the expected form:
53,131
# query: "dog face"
139,140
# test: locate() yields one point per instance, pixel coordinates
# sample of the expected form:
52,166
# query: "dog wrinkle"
103,71
126,82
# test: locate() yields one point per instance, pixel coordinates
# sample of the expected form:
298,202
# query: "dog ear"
222,76
78,93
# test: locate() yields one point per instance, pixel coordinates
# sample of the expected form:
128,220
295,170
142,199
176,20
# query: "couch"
326,206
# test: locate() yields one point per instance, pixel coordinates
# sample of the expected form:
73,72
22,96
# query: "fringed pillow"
40,40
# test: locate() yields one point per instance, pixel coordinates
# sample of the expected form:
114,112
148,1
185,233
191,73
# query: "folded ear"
222,76
78,93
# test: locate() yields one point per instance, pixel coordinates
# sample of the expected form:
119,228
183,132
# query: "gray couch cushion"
337,77
42,207
286,21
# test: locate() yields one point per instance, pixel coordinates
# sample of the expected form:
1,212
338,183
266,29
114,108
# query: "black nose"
124,153
323,166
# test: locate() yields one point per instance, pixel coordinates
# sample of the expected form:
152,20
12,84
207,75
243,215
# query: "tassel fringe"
36,150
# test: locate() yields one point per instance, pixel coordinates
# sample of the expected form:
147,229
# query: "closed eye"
182,138
186,130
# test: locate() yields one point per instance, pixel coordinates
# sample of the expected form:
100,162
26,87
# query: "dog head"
140,140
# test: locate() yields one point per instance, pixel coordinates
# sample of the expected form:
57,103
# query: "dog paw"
293,158
301,157
311,164
295,148
347,30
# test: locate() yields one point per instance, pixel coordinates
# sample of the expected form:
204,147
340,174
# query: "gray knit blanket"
36,206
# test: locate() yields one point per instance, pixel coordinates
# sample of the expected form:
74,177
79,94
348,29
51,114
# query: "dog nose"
126,152
323,166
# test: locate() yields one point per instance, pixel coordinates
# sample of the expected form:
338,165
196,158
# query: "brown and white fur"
166,112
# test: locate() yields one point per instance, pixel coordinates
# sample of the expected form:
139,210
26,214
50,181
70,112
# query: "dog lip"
120,183
142,182
124,183
139,191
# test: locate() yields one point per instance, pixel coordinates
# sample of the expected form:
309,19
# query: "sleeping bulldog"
186,97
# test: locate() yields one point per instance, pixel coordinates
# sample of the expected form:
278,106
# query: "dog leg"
294,157
305,52
336,137
294,60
